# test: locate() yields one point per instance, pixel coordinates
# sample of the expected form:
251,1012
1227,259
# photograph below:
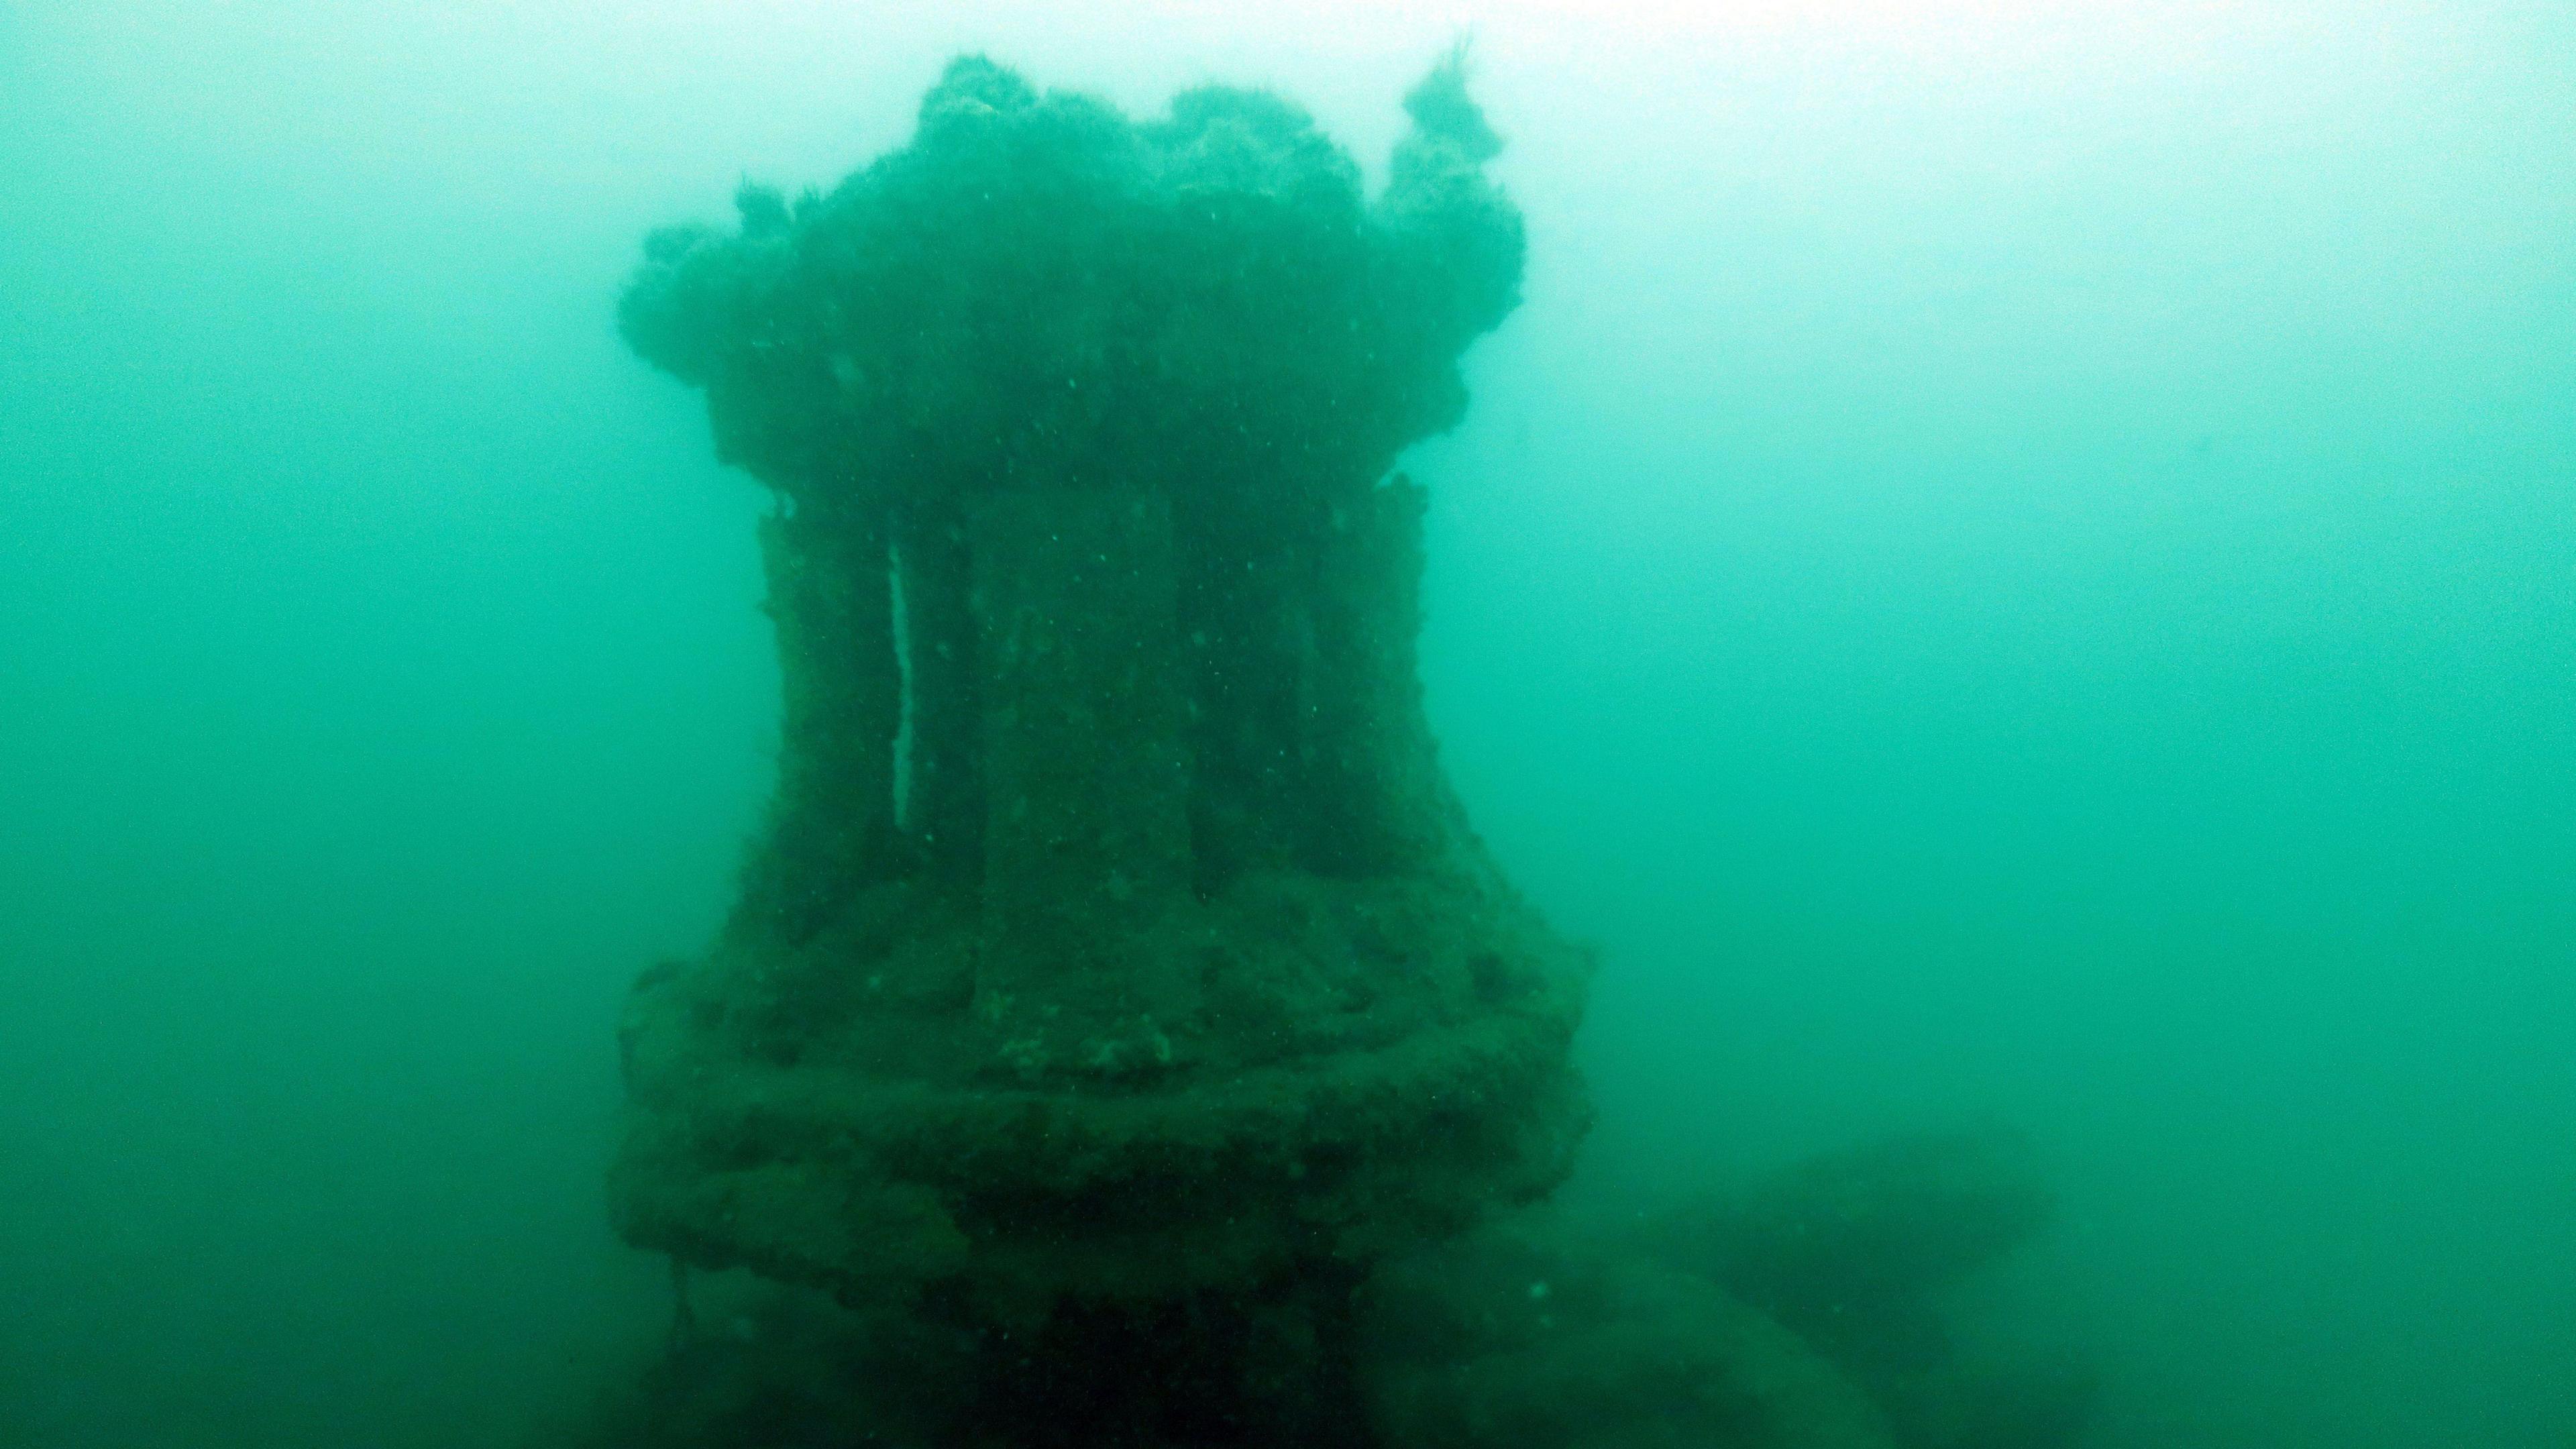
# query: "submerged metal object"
1114,937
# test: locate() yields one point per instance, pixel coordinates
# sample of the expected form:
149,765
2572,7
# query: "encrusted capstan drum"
1113,936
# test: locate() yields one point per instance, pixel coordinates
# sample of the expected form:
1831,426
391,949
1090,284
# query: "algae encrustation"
1119,1016
1113,941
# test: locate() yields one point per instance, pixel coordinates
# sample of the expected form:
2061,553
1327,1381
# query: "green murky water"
2015,562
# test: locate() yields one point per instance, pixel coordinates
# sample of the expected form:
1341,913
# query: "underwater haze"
2017,563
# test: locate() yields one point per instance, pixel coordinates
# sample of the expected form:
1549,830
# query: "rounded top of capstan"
1036,290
